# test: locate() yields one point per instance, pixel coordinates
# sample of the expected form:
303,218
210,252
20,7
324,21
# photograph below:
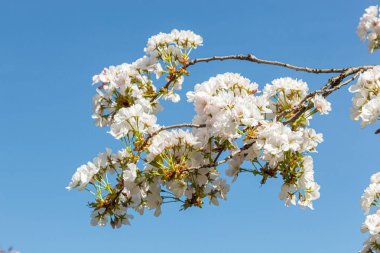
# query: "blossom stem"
252,58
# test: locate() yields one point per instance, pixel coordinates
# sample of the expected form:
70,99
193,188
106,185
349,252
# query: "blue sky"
49,51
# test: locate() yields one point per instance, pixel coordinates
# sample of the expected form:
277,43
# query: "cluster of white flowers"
371,224
85,173
133,119
285,93
166,140
366,102
173,41
123,86
305,186
158,165
179,155
127,101
229,106
284,150
369,28
169,160
224,103
275,139
366,107
371,245
128,84
134,190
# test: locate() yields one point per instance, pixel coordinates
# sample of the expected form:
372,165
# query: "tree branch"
252,58
166,86
338,86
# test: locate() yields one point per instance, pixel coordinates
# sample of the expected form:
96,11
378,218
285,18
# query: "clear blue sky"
49,51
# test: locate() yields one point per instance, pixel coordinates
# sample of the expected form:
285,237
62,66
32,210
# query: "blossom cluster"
233,119
125,85
230,106
369,28
366,102
127,102
370,200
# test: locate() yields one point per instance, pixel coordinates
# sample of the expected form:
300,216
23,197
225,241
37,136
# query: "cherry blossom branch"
118,193
166,86
252,58
169,157
218,155
333,84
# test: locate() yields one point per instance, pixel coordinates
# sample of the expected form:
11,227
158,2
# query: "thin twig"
336,87
252,58
166,86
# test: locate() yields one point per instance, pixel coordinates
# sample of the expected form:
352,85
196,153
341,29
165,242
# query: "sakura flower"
234,167
366,102
369,27
287,194
369,196
178,187
130,175
321,104
372,223
132,119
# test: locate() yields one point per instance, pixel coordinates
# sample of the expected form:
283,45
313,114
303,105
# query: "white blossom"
372,223
369,196
85,173
132,119
288,194
178,187
225,102
369,28
321,104
130,175
366,102
234,166
181,38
